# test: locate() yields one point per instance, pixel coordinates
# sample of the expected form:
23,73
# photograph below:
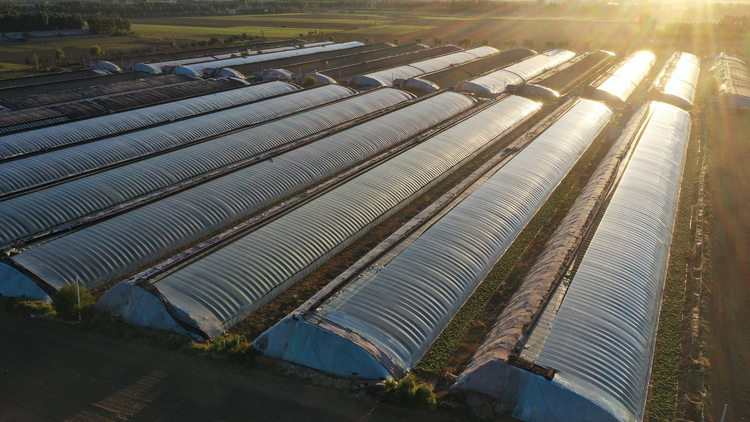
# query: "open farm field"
580,35
613,35
729,234
192,32
73,48
276,21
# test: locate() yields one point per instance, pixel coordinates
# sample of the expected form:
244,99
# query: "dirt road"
729,303
50,371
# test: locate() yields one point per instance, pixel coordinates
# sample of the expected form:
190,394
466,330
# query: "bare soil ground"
729,303
51,371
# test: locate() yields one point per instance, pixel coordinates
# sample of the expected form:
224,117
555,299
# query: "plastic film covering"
619,86
495,82
48,208
387,76
602,340
67,162
75,132
402,307
112,248
218,290
731,76
259,58
677,82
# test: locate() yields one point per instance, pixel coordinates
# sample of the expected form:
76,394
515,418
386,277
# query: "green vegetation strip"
171,31
561,199
390,29
666,370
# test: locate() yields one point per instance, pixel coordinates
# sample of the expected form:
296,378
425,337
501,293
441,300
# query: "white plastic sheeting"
320,79
112,248
108,66
516,74
387,76
276,74
98,127
677,82
601,341
184,70
45,209
227,72
618,87
150,68
204,68
393,313
219,289
79,159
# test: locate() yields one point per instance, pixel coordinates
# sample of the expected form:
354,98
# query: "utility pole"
78,291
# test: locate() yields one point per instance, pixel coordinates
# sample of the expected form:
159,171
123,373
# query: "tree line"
109,25
13,21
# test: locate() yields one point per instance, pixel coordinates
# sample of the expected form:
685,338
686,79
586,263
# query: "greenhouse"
217,290
110,249
39,211
383,321
55,166
387,76
204,68
77,132
730,76
677,82
495,82
617,87
595,339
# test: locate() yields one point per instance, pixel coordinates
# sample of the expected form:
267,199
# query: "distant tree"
436,41
59,55
301,34
396,41
331,38
95,51
172,44
464,42
65,302
309,82
418,40
244,53
447,42
646,23
485,41
214,41
528,43
563,44
509,44
550,45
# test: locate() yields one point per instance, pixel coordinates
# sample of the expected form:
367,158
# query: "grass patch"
233,347
251,18
666,370
23,306
172,31
409,392
390,29
556,206
13,66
